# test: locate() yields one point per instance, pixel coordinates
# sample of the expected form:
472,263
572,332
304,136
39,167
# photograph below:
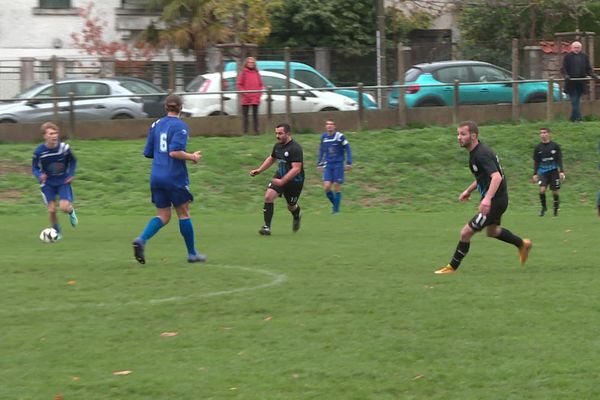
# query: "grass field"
347,308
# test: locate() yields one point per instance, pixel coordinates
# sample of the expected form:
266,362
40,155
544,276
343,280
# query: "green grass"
347,308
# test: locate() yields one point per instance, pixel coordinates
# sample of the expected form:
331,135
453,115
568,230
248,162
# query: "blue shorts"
163,198
334,172
49,192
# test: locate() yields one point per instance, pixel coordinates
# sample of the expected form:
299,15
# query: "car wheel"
430,102
122,116
216,113
7,121
536,98
330,109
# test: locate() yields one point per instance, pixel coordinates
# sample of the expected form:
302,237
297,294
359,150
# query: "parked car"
34,105
204,99
153,98
484,91
307,74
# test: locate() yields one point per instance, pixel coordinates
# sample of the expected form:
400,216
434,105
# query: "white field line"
276,279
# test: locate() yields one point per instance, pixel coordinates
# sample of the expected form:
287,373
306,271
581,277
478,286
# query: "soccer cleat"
296,222
138,251
73,218
556,212
542,212
265,230
524,250
58,237
197,258
448,269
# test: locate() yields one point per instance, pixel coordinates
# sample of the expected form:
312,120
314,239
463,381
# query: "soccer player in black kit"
490,181
288,180
548,169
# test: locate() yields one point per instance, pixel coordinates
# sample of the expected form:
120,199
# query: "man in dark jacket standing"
576,64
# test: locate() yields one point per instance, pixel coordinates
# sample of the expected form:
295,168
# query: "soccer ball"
49,235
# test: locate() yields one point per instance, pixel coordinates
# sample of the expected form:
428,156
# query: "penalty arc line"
277,279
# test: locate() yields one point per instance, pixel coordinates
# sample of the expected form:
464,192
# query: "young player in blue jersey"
334,146
548,169
491,184
169,182
288,180
54,167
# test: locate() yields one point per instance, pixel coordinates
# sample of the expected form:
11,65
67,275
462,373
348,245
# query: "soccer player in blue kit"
169,182
334,146
288,180
54,166
491,184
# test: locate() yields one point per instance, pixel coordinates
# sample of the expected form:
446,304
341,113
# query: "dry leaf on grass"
169,334
124,372
71,282
268,318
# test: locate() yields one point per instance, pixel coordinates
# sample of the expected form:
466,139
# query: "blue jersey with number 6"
167,134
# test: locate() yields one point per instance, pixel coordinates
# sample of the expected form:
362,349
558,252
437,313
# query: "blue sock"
153,226
329,195
187,231
337,201
56,227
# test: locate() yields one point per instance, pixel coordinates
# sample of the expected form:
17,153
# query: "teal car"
307,74
481,85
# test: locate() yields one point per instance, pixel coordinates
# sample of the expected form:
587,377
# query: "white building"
40,29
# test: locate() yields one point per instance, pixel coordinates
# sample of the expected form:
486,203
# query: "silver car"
34,104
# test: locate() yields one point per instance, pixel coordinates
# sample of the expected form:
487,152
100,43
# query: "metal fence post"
515,76
456,102
71,115
269,104
54,90
402,117
361,106
288,99
550,101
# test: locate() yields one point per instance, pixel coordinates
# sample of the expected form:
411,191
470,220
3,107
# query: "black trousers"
245,109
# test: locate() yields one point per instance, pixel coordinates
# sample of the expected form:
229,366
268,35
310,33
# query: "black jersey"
483,162
286,154
547,157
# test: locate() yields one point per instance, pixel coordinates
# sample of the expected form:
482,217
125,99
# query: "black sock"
543,200
268,213
508,237
296,212
556,202
462,248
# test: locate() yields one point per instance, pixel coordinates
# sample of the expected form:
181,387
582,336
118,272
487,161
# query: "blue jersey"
167,134
332,149
57,163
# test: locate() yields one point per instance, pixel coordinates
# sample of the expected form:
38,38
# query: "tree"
195,25
488,26
92,42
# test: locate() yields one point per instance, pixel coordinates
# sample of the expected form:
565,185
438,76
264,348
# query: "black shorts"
291,191
550,178
480,221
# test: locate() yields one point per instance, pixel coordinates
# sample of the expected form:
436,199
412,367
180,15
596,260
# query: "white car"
204,98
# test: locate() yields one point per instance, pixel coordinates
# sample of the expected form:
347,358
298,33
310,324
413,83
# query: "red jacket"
249,79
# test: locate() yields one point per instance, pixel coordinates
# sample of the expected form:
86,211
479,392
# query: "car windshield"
311,79
195,84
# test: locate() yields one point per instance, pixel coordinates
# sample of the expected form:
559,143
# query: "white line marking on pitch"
277,279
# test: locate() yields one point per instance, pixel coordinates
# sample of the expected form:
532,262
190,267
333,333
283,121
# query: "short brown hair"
473,128
545,129
173,103
48,125
286,127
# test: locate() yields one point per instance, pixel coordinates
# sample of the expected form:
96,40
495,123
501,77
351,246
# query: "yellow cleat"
524,250
445,270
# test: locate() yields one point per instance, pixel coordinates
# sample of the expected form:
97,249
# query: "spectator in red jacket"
249,79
